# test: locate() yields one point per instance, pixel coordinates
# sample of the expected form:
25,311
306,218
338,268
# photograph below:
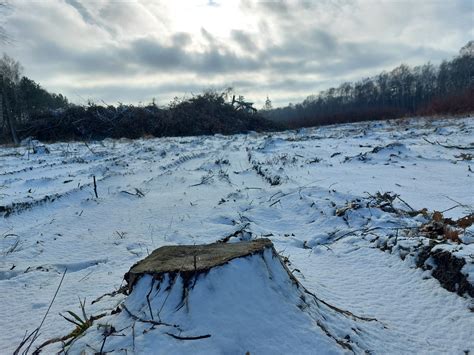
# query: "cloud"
87,17
151,55
131,51
244,40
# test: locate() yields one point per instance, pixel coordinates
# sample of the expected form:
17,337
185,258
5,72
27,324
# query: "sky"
138,50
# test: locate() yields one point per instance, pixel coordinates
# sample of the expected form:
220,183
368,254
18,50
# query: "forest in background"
421,91
28,110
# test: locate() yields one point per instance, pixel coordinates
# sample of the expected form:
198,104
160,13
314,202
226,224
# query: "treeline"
422,90
27,110
21,98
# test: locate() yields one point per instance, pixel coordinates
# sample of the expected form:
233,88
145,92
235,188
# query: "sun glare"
218,19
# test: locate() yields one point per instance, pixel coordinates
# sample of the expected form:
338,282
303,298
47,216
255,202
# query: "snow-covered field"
318,194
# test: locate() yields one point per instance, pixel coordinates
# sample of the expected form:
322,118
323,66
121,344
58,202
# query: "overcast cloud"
132,51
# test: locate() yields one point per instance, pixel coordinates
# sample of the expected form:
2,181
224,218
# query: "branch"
189,338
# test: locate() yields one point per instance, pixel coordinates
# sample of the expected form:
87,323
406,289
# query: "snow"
235,304
194,190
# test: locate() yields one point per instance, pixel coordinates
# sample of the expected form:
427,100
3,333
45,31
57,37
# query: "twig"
274,203
14,246
306,186
406,204
456,146
35,332
52,341
95,187
139,193
272,196
449,146
111,294
364,230
426,140
204,180
147,320
342,311
87,145
451,208
148,297
459,203
133,337
189,338
235,234
101,351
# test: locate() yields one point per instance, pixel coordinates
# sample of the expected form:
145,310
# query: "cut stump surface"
193,258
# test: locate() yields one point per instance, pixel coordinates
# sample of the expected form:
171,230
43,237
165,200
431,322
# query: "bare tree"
10,69
10,74
268,104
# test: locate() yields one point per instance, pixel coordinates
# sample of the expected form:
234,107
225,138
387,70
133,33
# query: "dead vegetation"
464,156
436,230
82,324
263,170
451,146
207,113
395,147
441,228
